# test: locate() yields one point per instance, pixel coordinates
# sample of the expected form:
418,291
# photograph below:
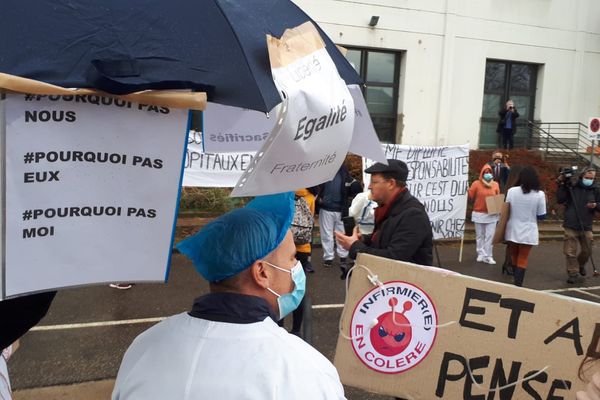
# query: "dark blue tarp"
124,46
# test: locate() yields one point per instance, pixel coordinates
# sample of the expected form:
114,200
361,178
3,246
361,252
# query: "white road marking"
97,324
582,290
570,289
137,321
325,306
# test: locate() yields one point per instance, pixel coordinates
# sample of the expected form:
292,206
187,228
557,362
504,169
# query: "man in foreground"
402,228
229,346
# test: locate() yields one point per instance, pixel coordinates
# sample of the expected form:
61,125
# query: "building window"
507,80
381,71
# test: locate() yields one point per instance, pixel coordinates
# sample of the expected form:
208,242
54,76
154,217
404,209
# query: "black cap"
395,167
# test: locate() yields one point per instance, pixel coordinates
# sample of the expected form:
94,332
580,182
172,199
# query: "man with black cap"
229,346
402,228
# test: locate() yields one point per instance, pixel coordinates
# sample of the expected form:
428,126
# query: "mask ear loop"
374,279
375,282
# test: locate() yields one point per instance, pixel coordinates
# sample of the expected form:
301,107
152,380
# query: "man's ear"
259,274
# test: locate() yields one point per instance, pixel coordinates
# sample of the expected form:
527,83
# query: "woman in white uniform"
229,346
527,205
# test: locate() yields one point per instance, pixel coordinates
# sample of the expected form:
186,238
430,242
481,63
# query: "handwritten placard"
438,177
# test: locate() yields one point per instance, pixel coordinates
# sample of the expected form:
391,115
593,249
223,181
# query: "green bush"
209,200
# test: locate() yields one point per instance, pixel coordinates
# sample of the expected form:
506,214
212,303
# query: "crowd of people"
255,259
526,205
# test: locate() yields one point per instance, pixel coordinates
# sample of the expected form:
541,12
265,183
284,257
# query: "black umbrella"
119,47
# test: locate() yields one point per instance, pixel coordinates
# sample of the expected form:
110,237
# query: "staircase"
563,143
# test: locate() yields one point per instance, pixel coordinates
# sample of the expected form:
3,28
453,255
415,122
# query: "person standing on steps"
507,126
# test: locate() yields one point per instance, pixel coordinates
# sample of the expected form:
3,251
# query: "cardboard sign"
428,333
314,129
501,226
206,169
494,203
91,190
438,177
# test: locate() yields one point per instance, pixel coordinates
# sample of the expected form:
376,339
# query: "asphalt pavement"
75,352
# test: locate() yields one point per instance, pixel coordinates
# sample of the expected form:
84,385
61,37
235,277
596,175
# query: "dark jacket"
20,314
581,196
502,176
337,194
404,235
502,123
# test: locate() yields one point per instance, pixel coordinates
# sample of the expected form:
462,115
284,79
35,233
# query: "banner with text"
91,190
314,128
438,177
426,333
206,169
230,129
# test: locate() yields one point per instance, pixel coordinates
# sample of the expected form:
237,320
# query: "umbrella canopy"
119,47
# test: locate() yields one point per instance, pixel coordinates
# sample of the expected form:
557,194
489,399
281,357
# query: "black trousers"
507,139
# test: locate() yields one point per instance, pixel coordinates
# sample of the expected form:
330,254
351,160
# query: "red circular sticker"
595,125
394,327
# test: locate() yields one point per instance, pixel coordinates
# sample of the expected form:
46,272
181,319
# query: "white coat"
521,226
188,358
363,211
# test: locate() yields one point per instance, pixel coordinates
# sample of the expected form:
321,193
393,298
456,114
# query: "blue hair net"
231,243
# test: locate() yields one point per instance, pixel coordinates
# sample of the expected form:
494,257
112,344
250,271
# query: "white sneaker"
489,260
480,258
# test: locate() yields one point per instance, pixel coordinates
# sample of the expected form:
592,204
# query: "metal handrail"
574,132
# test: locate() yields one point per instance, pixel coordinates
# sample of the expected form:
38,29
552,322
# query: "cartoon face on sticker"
393,332
394,327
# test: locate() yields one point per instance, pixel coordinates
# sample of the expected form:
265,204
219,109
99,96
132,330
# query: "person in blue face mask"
581,200
484,221
229,345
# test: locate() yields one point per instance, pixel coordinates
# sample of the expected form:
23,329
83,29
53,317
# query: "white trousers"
328,222
484,234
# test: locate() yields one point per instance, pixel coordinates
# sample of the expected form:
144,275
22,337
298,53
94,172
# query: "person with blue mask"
484,221
229,345
581,200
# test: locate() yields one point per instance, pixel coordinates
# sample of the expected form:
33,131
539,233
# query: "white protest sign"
232,129
438,177
364,138
314,131
594,128
205,169
91,190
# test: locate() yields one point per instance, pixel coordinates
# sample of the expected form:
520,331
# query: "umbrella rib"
217,3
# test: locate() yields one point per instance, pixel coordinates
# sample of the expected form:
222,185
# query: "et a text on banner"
91,190
438,177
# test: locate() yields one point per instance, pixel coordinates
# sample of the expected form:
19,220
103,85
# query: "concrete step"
550,230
